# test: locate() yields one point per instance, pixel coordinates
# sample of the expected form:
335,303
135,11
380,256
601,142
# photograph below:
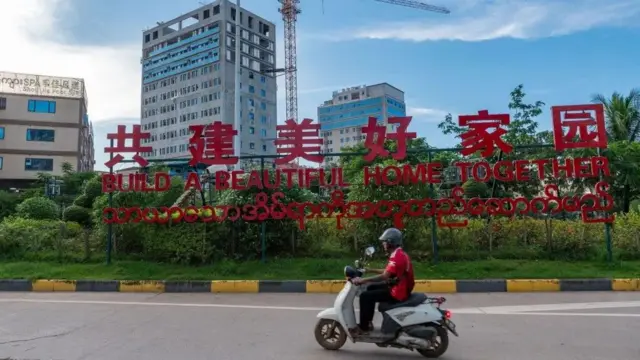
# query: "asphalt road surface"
100,326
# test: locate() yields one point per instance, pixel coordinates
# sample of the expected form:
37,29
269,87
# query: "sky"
562,51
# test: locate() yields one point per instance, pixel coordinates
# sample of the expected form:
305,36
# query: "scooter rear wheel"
440,348
328,341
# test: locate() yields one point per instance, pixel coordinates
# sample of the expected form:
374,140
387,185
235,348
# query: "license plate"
451,327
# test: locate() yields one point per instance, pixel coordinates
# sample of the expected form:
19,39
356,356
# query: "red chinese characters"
377,134
212,144
478,138
121,137
577,119
298,140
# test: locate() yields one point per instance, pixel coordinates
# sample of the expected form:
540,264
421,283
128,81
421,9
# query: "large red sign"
213,144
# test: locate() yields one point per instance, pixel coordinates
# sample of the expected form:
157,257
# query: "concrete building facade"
43,123
188,78
342,118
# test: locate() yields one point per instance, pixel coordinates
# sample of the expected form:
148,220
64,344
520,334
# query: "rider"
399,269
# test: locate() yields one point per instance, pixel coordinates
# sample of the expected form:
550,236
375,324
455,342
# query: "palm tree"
623,129
622,114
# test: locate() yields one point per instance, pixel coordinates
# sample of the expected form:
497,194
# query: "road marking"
554,307
136,303
574,314
542,309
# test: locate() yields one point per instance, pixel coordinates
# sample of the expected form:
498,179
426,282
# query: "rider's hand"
356,281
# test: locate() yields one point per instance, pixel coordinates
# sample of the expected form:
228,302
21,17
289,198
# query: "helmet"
392,236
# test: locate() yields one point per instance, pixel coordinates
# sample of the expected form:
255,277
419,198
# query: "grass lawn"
314,269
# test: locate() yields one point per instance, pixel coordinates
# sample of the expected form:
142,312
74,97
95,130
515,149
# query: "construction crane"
290,10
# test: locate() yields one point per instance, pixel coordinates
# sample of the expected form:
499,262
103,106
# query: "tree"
353,165
522,130
67,168
8,203
624,164
622,115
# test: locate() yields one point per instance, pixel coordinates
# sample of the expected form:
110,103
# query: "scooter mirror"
369,251
357,264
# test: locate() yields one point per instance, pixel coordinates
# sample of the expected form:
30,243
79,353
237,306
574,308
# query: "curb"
315,286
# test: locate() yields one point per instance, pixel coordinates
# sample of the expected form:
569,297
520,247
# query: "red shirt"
400,266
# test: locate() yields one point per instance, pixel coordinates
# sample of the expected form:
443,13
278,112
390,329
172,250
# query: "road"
101,326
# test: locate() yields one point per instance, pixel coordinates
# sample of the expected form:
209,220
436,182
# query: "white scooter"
415,324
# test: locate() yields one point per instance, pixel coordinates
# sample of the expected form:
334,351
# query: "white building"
188,78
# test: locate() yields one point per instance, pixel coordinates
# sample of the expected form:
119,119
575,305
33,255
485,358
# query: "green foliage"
38,208
475,189
83,201
8,203
78,214
92,189
28,238
623,115
502,238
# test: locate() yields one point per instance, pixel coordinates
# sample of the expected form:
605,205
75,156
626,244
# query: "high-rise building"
43,124
342,118
188,78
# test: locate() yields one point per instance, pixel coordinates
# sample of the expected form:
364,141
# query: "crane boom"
417,5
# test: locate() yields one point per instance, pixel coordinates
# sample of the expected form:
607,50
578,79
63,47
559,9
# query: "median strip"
314,286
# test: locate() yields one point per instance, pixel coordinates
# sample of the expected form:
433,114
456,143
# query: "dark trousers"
368,299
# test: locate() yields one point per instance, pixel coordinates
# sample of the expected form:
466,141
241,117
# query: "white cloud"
427,114
34,30
476,20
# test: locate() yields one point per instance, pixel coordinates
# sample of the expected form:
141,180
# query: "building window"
42,106
1,133
263,93
252,130
1,162
3,103
264,147
35,164
263,79
263,132
252,146
252,89
263,106
40,135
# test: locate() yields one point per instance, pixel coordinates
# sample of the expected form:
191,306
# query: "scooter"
415,324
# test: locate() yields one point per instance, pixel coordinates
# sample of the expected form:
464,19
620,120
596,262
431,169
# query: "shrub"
524,238
83,201
25,238
38,208
93,189
78,214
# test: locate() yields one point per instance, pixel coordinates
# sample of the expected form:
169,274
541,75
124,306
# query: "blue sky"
563,51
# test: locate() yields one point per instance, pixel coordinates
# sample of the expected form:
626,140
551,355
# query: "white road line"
541,309
135,303
574,314
557,307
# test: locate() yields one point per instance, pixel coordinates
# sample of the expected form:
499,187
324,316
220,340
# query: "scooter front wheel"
330,334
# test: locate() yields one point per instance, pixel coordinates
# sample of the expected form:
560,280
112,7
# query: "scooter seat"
414,300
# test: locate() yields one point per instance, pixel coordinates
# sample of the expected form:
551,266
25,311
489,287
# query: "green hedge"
201,243
41,239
